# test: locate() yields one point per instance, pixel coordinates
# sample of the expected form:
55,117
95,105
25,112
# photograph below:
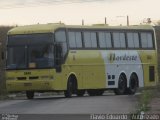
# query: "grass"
145,98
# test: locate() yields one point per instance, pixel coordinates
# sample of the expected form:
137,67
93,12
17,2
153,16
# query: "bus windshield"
30,51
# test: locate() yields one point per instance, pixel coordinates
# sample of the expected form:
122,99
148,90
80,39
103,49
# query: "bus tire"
122,85
80,93
133,84
68,92
30,94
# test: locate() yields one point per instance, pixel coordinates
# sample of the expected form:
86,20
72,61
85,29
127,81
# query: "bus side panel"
88,67
149,61
122,61
94,70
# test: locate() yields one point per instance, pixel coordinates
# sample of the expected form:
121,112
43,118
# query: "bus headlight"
11,78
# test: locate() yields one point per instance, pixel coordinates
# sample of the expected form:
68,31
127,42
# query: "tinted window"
93,40
136,40
146,40
150,41
122,40
75,40
87,40
130,40
90,40
78,39
60,37
108,40
72,39
133,40
30,39
116,40
16,57
104,40
42,56
119,40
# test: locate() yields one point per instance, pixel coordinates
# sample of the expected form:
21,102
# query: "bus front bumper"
38,85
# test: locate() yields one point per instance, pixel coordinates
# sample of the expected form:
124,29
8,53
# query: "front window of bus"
16,57
30,51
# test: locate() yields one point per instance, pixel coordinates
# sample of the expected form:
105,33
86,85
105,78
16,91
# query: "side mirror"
58,57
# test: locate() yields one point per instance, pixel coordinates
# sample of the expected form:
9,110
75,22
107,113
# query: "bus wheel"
68,92
80,93
29,94
122,85
133,84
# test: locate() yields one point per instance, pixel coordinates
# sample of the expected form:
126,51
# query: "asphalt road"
48,105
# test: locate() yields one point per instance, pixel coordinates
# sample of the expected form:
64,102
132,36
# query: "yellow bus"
74,59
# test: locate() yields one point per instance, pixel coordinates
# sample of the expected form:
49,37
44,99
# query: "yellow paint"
149,58
87,65
89,68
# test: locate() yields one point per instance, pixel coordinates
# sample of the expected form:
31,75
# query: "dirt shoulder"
154,104
149,101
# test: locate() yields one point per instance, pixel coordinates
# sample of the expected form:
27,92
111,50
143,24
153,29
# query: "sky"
26,12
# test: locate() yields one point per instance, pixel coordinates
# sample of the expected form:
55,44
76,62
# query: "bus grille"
21,78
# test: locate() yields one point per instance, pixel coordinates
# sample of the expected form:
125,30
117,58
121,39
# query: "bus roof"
51,27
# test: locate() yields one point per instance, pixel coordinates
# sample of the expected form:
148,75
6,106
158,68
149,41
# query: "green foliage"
3,38
144,100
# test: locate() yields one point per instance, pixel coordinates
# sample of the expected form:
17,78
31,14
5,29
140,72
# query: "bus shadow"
73,97
58,97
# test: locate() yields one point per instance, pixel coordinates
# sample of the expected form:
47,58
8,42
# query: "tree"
3,39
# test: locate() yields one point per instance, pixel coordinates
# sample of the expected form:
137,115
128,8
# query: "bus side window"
60,37
90,40
78,39
119,40
104,40
132,40
146,40
72,39
75,39
87,40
